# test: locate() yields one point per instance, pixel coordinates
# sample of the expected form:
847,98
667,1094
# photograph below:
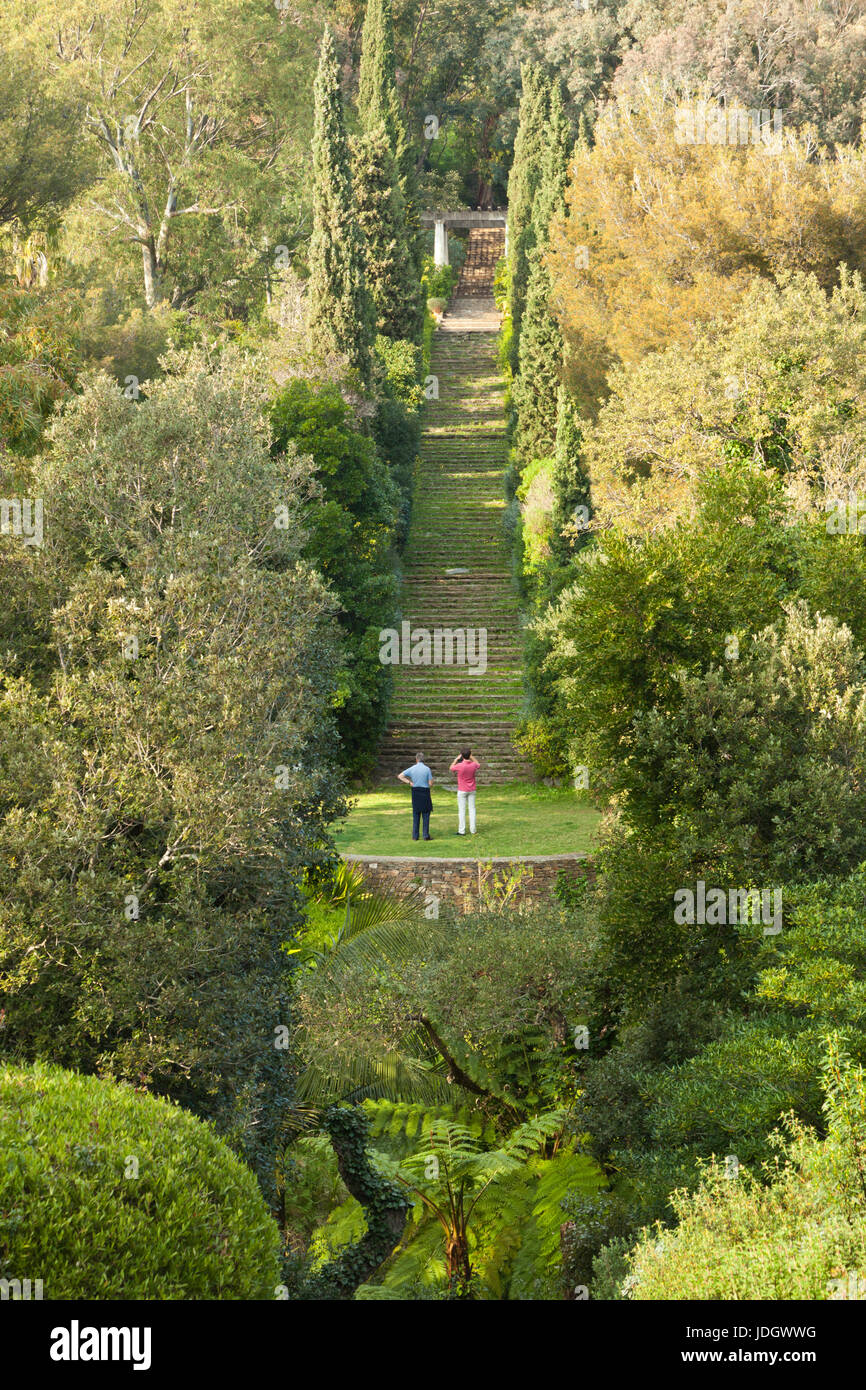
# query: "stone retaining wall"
471,883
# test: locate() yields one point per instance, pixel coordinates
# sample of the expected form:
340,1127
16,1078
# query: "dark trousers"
422,805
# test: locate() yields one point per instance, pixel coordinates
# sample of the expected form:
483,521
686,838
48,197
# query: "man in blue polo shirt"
420,779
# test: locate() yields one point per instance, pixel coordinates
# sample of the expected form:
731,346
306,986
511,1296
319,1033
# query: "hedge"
109,1194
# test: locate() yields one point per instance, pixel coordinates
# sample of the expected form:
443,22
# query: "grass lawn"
517,818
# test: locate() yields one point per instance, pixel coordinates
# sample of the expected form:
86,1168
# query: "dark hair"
465,754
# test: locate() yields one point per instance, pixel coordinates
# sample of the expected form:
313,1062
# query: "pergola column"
440,243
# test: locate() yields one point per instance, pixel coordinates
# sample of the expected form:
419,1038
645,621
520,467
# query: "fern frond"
534,1133
391,1076
421,1262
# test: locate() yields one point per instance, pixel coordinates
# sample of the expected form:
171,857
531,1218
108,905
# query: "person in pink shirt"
466,767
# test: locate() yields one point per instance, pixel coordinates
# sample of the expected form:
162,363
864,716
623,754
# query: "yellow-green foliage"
664,236
779,384
537,499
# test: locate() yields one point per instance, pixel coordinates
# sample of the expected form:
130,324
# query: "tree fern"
507,1196
403,1123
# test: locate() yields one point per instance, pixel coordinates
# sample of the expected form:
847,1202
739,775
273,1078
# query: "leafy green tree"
381,213
567,529
805,63
806,984
166,767
638,614
340,310
463,63
572,500
664,236
549,200
379,103
712,1071
780,384
42,162
754,787
189,152
378,98
790,808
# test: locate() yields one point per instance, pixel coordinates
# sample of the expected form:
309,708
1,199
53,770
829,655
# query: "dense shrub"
592,1220
780,385
536,494
129,345
397,432
799,1235
106,1194
438,281
401,362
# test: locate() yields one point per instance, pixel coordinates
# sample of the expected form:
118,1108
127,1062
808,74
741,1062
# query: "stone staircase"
457,569
485,247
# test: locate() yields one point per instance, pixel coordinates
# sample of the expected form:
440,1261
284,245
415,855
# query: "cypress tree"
584,131
389,268
550,197
572,506
522,186
340,310
379,102
377,90
540,347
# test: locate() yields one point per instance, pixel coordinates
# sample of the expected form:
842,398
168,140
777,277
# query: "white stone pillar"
440,243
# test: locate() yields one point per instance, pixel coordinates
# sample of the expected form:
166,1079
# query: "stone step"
458,508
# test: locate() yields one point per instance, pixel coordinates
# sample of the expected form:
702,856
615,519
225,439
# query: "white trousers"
462,799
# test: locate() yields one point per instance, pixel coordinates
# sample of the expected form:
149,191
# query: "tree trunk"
385,1209
153,294
457,1263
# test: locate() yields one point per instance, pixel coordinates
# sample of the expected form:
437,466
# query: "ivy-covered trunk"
385,1208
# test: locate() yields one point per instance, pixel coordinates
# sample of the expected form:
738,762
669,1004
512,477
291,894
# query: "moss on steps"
457,525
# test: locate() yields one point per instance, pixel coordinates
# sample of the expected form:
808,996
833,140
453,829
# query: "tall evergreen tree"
389,266
572,505
522,187
550,197
584,130
540,347
379,101
340,309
